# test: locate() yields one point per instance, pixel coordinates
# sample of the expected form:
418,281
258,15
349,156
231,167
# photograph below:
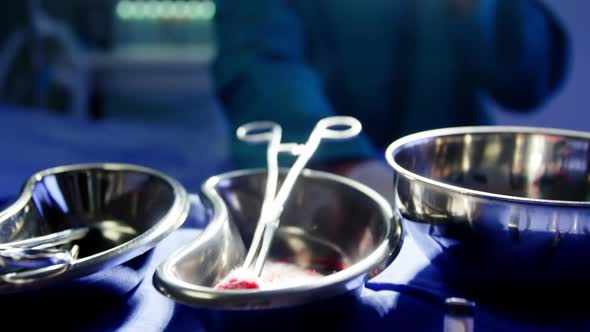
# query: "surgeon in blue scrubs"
399,66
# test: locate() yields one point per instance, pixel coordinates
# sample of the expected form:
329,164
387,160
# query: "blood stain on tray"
274,275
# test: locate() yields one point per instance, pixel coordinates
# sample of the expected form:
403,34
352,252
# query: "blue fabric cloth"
398,66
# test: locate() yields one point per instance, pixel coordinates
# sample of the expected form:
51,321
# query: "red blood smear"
235,283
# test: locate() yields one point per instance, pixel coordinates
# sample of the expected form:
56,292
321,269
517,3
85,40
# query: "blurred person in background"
399,66
41,66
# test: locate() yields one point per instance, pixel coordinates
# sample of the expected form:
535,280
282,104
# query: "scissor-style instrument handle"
334,128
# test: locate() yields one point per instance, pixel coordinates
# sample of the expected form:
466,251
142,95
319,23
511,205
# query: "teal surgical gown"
399,66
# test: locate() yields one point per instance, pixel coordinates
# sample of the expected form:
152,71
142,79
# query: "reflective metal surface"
125,210
498,206
329,223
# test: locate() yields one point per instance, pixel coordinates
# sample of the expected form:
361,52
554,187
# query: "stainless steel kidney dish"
498,207
86,221
330,224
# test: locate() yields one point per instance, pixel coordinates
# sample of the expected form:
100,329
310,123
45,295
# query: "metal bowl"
498,207
129,209
328,219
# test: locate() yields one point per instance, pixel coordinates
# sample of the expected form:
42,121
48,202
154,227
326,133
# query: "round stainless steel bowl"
497,207
127,209
330,224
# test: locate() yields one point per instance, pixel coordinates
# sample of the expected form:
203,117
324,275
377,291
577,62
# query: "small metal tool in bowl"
39,257
336,127
82,220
